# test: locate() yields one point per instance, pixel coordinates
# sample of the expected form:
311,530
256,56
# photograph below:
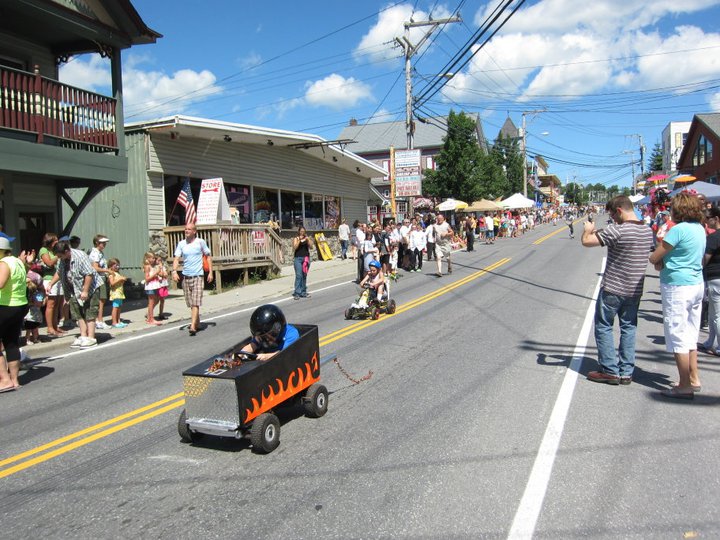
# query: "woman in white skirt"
679,259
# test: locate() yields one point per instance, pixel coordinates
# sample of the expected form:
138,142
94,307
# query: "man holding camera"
628,242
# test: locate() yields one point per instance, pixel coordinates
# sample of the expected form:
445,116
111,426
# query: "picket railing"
234,246
72,117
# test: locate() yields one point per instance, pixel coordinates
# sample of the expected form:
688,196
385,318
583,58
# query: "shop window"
313,211
174,213
332,212
239,201
291,209
265,205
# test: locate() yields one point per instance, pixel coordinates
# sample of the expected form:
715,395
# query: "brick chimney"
353,122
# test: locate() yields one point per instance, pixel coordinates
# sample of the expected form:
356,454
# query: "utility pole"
409,51
642,152
524,147
632,168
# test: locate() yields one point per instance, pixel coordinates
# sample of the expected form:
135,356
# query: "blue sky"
603,72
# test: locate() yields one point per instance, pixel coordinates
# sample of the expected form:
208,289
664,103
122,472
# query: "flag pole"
175,205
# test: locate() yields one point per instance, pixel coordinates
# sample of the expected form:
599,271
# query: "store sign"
408,181
213,206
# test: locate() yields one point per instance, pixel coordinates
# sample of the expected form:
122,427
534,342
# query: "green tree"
459,164
573,193
655,161
506,153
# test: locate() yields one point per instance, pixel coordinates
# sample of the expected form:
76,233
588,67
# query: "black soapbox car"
233,394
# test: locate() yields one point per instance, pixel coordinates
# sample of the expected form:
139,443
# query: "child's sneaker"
119,325
100,325
88,342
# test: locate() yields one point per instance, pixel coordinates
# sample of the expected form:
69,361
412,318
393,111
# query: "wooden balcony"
234,247
54,113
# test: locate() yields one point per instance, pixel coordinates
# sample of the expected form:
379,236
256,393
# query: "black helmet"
268,321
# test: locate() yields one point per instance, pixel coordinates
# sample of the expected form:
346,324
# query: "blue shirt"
290,336
683,265
191,254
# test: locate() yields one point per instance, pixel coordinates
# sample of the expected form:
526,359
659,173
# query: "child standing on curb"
152,285
34,316
117,292
163,291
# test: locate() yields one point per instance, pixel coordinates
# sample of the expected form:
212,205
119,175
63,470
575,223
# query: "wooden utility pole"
409,50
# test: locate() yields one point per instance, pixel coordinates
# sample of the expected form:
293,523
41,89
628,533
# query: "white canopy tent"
517,201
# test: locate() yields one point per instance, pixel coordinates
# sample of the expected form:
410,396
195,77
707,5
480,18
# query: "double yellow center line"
45,452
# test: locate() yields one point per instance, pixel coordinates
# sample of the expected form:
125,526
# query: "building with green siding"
292,178
58,142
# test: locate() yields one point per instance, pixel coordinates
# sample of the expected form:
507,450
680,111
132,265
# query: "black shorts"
11,324
385,258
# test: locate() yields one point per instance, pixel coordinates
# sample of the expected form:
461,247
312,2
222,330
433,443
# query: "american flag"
185,199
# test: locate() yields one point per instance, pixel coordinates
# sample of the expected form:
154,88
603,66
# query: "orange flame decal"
270,398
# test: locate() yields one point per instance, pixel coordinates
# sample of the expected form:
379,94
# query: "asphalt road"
477,422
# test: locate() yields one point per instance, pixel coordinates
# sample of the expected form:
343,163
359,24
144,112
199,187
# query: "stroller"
368,306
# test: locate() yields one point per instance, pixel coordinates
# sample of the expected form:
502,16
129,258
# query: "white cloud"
379,44
565,47
90,72
250,60
715,102
600,17
145,93
337,92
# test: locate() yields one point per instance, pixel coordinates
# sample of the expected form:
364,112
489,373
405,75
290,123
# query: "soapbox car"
368,306
233,394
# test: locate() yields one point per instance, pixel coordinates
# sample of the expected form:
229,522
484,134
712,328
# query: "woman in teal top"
13,307
679,260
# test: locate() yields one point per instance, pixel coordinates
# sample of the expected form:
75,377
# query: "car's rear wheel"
265,433
375,314
391,307
348,313
316,401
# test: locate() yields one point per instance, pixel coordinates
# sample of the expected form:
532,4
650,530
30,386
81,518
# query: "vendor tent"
483,205
451,204
517,201
636,198
710,191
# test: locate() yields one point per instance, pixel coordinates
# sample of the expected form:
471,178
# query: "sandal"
674,393
695,388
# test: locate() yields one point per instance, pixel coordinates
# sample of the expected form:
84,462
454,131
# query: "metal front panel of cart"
211,404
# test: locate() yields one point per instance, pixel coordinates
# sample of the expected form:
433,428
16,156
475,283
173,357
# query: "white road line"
526,516
120,341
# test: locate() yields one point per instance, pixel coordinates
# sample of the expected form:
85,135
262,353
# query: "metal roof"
379,137
712,121
202,128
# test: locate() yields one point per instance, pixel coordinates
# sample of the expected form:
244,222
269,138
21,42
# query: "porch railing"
234,247
44,107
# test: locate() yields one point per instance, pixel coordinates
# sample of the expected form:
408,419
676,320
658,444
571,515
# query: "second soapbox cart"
233,394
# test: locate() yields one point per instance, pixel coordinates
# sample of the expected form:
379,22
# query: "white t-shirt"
442,232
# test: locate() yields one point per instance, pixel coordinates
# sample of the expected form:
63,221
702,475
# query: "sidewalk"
134,311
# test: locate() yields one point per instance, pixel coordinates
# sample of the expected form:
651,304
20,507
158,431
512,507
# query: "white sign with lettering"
213,204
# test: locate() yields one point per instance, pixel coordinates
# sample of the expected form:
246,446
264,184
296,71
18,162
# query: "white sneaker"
77,343
100,325
88,343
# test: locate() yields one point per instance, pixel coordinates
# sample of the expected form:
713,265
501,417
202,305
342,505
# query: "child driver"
270,332
375,278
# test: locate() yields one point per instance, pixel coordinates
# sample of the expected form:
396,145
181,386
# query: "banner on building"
213,206
408,180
